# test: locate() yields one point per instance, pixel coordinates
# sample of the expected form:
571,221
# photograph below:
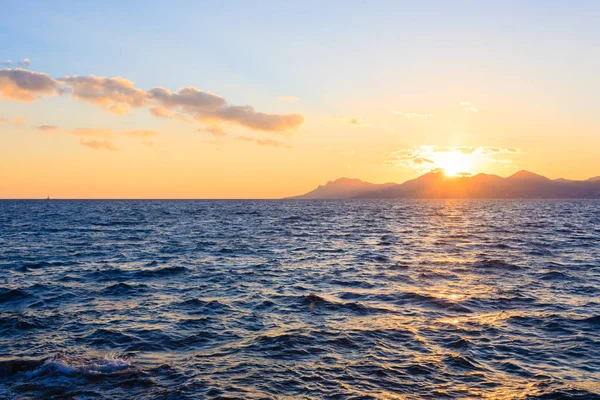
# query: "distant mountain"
342,188
523,184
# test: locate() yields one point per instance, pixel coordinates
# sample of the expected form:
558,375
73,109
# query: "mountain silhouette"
342,188
436,185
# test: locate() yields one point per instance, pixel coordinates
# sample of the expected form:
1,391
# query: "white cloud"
25,63
468,106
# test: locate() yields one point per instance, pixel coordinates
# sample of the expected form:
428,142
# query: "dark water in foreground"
309,299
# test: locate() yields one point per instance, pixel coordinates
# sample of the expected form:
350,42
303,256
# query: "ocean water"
300,299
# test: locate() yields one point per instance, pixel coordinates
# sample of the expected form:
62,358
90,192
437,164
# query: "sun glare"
454,163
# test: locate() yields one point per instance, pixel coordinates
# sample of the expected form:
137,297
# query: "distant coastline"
436,185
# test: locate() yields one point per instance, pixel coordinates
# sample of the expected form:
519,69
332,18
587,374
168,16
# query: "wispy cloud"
47,128
143,134
98,144
102,138
120,96
468,106
14,121
288,99
25,63
216,131
260,142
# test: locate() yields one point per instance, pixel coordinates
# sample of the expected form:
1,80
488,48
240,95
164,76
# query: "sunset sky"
228,100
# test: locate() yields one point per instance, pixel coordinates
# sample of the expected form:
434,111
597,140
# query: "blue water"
309,299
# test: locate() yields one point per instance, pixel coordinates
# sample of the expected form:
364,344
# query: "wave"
405,298
161,272
199,306
316,303
554,276
495,264
12,367
120,289
11,295
108,365
65,365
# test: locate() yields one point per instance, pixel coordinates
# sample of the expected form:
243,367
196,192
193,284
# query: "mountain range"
437,185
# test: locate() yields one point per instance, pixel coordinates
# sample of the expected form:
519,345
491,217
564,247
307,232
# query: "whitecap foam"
107,365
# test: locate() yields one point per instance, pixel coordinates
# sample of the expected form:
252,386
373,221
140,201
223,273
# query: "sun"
454,163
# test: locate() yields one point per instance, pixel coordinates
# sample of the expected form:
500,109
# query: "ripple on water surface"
314,299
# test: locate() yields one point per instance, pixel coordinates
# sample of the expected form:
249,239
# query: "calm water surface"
299,299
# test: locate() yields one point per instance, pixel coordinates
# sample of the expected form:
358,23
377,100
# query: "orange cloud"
47,128
144,135
117,95
98,144
23,85
266,142
208,107
216,131
103,133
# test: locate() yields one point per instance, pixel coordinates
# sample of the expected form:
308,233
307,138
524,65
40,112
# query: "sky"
265,99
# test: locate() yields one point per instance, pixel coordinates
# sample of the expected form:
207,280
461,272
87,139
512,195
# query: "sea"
276,299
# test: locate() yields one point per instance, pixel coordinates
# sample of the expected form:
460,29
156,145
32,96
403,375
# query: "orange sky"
282,108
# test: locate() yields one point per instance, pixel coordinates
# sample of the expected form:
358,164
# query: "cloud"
47,128
468,106
98,144
411,115
161,112
25,63
14,121
266,142
7,63
216,131
104,133
95,138
144,135
117,95
23,85
288,99
352,121
207,107
246,116
103,138
431,158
